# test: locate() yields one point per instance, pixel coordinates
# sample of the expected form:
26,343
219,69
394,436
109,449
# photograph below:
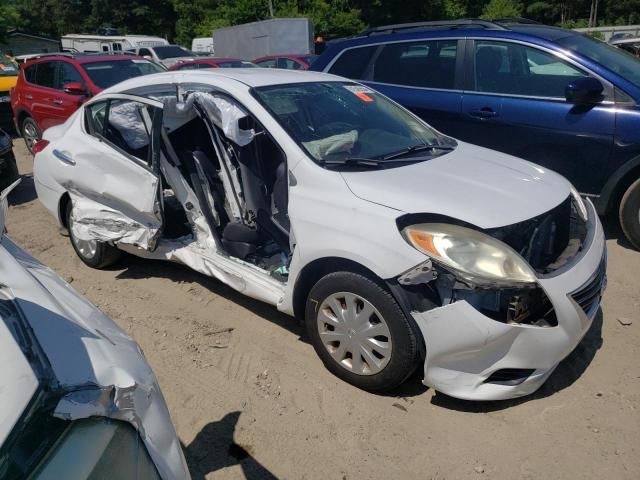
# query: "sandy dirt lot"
250,399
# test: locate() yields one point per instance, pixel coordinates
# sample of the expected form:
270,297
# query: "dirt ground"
250,398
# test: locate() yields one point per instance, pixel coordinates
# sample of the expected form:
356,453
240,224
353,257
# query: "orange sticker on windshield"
364,97
361,92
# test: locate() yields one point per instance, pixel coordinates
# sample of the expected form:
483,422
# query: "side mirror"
75,88
584,91
148,57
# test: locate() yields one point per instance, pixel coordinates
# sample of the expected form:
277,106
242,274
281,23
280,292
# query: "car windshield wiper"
415,148
368,162
354,161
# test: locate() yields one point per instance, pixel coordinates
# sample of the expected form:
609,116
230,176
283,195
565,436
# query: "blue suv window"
515,69
353,63
428,64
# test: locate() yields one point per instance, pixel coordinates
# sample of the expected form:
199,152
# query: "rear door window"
427,64
122,124
30,73
46,74
353,63
516,69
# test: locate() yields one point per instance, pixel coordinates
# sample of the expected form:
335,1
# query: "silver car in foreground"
77,398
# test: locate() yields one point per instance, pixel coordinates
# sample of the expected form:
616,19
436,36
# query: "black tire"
630,214
30,132
404,343
105,254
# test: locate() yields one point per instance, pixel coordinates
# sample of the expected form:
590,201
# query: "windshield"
339,121
615,59
105,74
8,68
172,51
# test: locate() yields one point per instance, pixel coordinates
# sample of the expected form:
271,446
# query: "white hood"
473,184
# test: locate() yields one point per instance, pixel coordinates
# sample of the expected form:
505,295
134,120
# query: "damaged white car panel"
68,361
310,192
474,357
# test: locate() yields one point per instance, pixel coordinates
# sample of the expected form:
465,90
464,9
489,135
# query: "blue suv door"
515,103
422,75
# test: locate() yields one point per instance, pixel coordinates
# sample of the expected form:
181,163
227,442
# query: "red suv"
51,87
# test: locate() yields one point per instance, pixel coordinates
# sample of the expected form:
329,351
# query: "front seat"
276,223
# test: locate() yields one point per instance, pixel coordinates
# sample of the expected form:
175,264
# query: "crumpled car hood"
480,186
102,369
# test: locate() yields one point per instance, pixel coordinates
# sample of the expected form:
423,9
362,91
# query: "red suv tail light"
39,146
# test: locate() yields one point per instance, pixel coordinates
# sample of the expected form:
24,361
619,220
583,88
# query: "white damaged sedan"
77,398
399,246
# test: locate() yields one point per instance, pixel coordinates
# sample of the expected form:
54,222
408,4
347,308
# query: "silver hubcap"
30,135
87,248
354,333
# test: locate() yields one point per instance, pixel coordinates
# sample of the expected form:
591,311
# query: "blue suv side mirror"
584,90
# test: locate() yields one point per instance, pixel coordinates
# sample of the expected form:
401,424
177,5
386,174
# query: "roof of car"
458,28
211,60
251,77
82,57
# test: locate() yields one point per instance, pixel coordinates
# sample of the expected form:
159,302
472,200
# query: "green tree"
502,9
8,17
455,8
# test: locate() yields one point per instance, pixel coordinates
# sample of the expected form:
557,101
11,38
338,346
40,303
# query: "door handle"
64,157
29,97
484,112
57,101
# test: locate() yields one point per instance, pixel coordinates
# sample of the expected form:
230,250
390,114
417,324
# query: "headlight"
581,207
471,255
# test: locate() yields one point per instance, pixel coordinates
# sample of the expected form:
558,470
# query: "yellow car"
8,78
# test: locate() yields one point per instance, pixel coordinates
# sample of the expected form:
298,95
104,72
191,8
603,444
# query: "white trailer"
108,43
252,40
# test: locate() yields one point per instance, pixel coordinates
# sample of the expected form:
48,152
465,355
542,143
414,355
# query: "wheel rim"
30,134
354,333
86,248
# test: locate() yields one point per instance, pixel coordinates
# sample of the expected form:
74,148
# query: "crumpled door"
112,172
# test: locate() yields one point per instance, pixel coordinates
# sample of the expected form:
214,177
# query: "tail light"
39,146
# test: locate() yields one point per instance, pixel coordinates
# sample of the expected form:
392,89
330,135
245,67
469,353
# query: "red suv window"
46,74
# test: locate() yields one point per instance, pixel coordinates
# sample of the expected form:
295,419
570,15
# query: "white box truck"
268,37
202,45
108,43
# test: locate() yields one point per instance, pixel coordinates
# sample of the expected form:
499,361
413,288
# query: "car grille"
589,295
549,240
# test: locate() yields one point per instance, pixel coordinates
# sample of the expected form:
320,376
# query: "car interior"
237,170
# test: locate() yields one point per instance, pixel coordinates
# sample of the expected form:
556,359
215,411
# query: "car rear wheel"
630,214
360,332
94,253
30,133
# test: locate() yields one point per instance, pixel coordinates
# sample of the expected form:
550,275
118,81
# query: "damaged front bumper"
474,357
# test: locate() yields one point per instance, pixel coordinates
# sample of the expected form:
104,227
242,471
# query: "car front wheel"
630,214
30,133
360,332
94,253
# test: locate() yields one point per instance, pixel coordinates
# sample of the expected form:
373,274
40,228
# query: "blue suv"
546,94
